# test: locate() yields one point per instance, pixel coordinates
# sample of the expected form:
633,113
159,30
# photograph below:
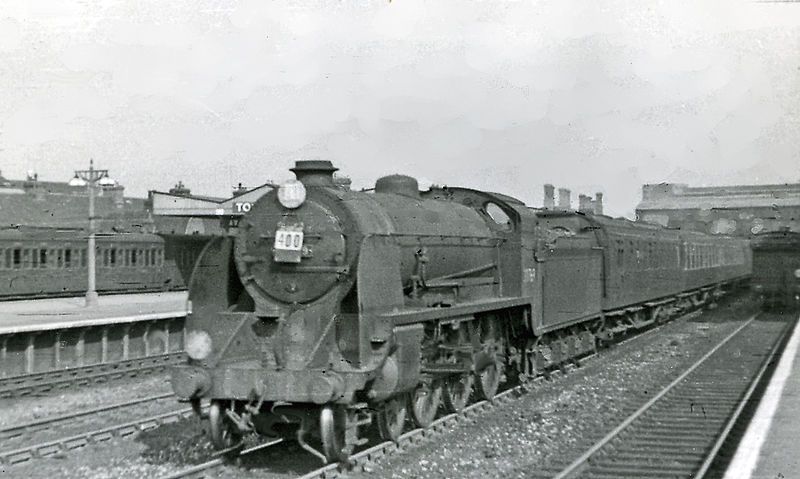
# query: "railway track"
41,383
70,443
679,431
26,429
366,457
203,470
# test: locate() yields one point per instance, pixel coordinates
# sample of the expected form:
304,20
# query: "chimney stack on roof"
598,203
563,198
549,197
585,204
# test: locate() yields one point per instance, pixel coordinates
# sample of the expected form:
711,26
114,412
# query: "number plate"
288,244
289,239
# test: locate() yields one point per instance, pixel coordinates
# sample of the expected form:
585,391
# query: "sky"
601,95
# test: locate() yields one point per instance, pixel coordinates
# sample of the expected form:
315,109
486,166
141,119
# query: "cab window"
500,218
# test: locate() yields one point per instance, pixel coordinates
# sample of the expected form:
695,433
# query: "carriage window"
43,258
161,257
68,258
498,216
83,258
133,257
112,257
105,257
26,258
35,258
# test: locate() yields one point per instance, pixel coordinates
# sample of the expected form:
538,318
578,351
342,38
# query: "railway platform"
38,315
61,334
770,448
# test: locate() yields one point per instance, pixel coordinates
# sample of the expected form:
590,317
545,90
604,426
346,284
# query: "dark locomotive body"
776,269
45,262
331,308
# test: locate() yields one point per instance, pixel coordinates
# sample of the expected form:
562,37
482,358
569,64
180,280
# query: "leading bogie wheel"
423,403
223,433
391,418
333,432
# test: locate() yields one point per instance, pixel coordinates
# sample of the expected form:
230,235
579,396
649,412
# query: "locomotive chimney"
598,203
314,172
584,204
563,199
549,197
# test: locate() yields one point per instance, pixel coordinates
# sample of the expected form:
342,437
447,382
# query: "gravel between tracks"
30,408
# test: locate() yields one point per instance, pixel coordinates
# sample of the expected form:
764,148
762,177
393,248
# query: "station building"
741,210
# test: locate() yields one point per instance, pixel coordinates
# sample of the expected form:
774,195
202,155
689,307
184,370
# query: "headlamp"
291,194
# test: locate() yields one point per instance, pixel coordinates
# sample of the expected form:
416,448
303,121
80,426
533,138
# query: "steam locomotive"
331,309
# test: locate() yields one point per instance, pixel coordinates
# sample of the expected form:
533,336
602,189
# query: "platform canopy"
171,204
